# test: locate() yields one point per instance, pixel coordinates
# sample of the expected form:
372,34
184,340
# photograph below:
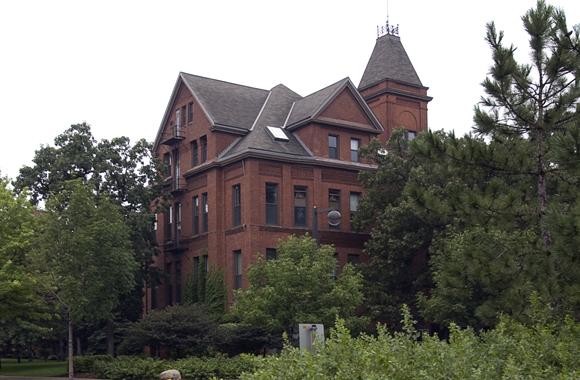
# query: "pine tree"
536,100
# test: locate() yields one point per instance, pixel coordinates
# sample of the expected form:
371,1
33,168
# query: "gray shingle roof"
273,114
389,60
227,103
307,106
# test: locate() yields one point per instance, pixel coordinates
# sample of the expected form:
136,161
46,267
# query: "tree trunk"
70,348
110,337
79,346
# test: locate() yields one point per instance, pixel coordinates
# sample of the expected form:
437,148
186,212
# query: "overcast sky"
113,64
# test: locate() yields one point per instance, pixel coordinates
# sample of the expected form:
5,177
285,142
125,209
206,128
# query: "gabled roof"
308,108
226,104
273,113
248,111
389,60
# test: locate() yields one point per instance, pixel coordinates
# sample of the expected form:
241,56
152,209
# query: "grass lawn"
34,368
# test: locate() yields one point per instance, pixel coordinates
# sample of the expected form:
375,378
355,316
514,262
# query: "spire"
389,60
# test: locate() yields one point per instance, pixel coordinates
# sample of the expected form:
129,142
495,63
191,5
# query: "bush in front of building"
86,364
193,368
176,331
512,350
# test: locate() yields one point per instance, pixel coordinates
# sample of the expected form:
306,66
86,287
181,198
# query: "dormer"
333,122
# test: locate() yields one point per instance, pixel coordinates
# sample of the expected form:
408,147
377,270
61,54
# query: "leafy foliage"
84,253
207,288
180,330
474,225
545,350
125,173
202,368
23,310
299,287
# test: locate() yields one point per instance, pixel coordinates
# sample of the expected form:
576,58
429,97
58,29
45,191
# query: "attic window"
278,133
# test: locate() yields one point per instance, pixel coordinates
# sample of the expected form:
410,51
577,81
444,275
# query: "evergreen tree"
495,213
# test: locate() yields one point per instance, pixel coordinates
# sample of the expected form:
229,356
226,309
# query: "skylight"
278,133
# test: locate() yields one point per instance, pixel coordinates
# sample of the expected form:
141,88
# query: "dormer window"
277,133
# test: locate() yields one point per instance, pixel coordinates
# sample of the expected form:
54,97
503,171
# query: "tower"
391,87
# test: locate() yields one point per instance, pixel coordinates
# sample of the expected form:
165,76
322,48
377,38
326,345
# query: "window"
168,285
237,269
203,143
278,133
353,258
196,266
271,254
178,123
168,223
167,164
204,212
194,154
177,218
236,205
190,112
196,271
205,263
300,206
354,147
334,201
153,297
178,282
176,166
411,135
272,203
195,223
354,202
155,222
333,146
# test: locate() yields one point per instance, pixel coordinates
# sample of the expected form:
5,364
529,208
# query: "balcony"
178,185
176,135
174,243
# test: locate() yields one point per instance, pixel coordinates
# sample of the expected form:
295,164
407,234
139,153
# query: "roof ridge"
287,88
325,88
223,81
260,112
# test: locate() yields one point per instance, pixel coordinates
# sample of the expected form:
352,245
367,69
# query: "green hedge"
86,364
510,351
138,368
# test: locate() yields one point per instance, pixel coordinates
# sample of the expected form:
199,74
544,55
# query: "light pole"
333,216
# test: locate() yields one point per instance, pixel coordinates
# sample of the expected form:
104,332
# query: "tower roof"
389,60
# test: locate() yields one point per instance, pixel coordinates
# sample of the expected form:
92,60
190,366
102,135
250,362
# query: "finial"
387,29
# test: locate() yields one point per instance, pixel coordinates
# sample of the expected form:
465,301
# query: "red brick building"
246,166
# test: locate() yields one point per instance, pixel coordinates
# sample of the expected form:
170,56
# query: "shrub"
237,338
180,330
218,366
86,364
130,368
512,350
194,368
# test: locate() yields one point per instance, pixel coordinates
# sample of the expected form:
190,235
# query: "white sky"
113,64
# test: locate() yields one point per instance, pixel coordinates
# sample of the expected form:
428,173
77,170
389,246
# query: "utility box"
310,334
